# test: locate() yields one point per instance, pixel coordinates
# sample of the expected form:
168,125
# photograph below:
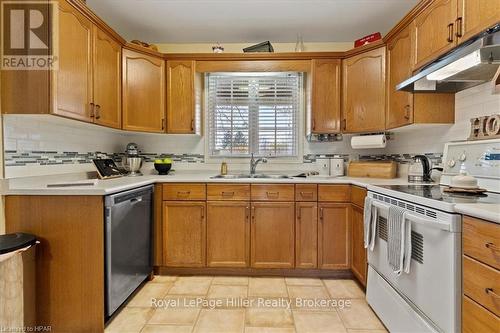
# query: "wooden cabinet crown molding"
406,20
82,7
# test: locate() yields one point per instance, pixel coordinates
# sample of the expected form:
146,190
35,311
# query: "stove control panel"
477,158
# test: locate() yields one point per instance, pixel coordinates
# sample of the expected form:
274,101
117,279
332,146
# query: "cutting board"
372,169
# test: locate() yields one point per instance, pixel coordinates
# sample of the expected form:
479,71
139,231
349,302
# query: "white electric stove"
428,299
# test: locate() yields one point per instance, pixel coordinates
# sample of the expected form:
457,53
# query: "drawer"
306,192
482,284
476,319
481,241
334,193
184,191
358,195
273,192
228,191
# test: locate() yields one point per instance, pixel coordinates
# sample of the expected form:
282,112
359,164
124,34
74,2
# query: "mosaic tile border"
14,158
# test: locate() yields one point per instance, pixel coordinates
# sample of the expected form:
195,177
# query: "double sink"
249,176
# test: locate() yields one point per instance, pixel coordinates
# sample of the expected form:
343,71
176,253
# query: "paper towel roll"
368,141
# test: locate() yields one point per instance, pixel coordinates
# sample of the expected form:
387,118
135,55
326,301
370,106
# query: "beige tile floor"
246,305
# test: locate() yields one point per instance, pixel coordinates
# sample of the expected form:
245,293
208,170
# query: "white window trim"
245,160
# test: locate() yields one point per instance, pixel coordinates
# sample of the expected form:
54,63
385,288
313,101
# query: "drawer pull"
490,291
179,193
306,194
227,194
492,247
273,194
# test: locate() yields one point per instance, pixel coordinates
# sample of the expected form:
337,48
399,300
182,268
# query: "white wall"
470,103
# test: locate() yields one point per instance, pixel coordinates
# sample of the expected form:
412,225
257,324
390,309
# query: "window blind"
253,113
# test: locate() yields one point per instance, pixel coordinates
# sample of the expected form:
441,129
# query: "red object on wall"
367,39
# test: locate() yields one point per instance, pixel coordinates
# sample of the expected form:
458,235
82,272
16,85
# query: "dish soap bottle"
223,168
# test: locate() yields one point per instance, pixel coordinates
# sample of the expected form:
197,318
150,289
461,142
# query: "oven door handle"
417,219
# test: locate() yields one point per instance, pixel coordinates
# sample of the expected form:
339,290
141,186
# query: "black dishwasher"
128,246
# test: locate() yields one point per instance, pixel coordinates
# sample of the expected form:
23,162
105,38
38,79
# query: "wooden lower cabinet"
306,235
184,234
476,319
228,234
333,236
358,251
273,235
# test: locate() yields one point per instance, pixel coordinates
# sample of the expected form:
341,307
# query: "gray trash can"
17,282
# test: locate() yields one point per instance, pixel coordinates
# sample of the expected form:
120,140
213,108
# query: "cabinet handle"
163,124
344,124
183,193
490,291
247,213
313,124
321,214
192,124
450,33
202,212
253,213
492,247
273,194
407,112
92,109
298,213
97,111
459,23
306,194
227,194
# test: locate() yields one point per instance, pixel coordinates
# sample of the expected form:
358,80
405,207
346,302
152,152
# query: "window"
253,113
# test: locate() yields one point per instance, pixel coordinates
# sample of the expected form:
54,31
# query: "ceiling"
228,21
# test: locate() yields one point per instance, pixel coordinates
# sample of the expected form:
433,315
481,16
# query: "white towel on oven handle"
398,240
370,217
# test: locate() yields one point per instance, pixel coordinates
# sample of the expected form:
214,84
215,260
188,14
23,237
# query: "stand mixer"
132,162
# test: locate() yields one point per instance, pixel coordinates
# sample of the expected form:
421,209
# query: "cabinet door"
107,80
184,234
475,16
364,92
306,235
434,31
326,96
333,236
228,234
358,251
273,235
143,88
399,62
72,83
180,97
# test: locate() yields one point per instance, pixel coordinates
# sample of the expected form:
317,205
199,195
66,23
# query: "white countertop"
490,212
38,186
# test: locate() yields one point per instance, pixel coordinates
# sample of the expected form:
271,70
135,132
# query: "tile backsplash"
55,144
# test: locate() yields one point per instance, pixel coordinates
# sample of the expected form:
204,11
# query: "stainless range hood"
470,64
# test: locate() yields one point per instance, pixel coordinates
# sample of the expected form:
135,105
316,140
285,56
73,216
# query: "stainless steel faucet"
254,162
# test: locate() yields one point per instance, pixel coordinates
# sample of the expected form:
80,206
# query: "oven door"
433,285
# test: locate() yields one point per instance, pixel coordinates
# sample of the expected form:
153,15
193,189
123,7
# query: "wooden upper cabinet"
364,92
72,83
434,31
272,235
333,236
476,15
326,84
107,80
143,89
399,68
228,234
184,234
180,97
